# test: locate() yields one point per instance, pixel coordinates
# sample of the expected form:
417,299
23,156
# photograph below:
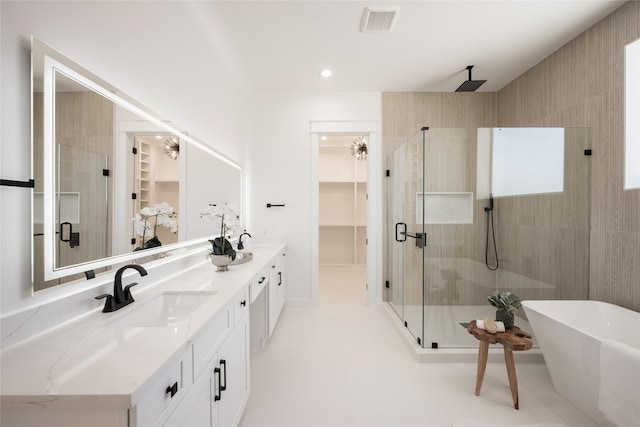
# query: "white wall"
150,50
279,170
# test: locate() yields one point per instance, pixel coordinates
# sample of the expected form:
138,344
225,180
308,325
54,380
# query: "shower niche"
444,208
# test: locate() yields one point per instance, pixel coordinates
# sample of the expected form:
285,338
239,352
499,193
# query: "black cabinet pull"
243,303
280,275
218,394
224,376
173,389
261,280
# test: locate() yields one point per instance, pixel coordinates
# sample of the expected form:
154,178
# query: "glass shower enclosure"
473,210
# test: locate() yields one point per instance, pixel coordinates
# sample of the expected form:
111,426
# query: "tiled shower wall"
580,85
451,156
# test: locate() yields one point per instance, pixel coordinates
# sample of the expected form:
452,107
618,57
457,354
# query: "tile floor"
344,364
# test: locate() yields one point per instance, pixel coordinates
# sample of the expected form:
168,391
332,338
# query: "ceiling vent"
379,19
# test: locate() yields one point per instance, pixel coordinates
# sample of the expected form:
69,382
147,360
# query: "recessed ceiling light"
326,73
158,137
323,137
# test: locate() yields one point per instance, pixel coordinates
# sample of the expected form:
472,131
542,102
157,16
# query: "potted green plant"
506,304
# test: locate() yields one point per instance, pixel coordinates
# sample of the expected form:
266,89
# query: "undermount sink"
166,309
242,257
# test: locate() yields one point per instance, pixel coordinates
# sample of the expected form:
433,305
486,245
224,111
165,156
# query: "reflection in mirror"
111,179
83,148
207,190
157,178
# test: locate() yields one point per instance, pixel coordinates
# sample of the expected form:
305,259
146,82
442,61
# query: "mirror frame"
52,61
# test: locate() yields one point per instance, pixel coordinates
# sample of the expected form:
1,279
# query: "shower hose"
489,212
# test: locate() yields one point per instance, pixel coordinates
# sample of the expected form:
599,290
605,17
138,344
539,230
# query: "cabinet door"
233,361
281,288
196,408
272,296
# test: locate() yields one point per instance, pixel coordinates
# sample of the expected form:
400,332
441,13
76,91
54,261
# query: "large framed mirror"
113,181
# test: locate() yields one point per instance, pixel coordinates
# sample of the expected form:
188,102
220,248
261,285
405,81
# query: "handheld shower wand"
489,211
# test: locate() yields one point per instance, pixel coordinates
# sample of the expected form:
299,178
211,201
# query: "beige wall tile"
593,228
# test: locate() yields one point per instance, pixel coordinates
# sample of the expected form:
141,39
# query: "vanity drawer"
258,283
240,305
277,260
206,343
165,394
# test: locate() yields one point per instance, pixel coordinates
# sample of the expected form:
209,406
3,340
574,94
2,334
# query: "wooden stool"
513,339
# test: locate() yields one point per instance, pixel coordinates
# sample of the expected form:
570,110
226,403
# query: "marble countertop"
90,363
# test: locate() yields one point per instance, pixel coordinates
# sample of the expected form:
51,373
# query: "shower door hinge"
105,172
134,196
419,341
134,150
386,284
133,240
388,173
587,152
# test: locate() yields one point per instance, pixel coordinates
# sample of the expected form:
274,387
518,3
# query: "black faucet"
120,297
240,244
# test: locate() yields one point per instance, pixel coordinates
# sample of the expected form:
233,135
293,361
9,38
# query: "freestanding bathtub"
569,334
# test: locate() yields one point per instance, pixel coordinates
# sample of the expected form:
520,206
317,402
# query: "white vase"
220,261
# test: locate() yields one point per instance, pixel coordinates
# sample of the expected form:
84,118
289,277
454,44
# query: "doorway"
342,230
366,249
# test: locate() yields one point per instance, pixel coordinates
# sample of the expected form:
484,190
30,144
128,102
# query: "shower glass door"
503,209
406,245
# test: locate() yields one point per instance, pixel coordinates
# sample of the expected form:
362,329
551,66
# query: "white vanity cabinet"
277,288
221,391
106,370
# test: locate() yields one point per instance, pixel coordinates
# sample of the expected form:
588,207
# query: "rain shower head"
470,85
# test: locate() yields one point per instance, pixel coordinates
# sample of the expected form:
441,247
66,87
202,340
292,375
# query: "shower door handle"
403,233
421,238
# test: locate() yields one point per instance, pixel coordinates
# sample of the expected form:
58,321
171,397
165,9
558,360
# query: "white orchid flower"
142,226
225,217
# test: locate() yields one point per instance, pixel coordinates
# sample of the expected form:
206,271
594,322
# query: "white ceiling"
283,46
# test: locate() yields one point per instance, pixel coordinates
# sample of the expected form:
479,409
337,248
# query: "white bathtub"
570,334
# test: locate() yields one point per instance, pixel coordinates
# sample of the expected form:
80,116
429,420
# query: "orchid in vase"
147,221
226,218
